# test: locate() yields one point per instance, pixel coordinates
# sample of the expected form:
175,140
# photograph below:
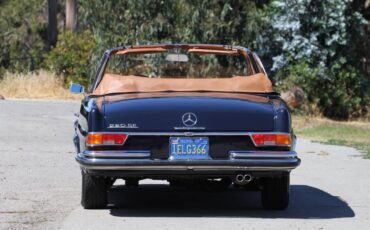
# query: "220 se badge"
195,115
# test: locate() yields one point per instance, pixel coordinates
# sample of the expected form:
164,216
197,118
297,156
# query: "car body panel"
165,114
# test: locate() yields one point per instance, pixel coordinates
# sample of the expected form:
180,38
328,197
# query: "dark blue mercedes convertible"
194,115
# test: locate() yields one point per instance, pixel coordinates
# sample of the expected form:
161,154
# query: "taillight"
106,139
272,139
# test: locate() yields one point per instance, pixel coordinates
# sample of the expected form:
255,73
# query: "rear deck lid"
211,112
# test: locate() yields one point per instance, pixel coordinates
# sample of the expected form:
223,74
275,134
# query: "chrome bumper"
141,160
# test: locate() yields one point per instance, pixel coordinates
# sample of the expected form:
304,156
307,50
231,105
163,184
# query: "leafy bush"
346,94
318,45
71,56
185,21
341,91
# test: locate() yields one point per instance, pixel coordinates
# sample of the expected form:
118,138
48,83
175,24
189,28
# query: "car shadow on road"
306,202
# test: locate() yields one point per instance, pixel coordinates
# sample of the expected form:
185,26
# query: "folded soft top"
113,83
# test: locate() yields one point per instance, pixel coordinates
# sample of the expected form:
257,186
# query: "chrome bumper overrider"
141,160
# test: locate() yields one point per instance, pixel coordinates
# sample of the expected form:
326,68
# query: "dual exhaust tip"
243,179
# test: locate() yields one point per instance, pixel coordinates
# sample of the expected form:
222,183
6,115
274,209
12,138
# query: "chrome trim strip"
148,164
261,154
117,154
146,154
194,168
191,133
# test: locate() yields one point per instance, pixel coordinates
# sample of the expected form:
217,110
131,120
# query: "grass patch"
353,133
38,85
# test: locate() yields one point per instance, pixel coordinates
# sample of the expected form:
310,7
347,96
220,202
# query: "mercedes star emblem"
189,119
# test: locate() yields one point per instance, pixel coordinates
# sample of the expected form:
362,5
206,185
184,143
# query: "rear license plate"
189,148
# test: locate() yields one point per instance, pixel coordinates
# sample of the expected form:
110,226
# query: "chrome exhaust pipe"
248,178
243,179
239,178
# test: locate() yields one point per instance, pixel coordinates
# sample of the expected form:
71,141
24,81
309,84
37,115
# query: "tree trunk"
71,15
52,23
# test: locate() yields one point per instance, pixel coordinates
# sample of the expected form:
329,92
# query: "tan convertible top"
112,83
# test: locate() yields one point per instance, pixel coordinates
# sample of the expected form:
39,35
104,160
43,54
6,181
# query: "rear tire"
94,191
275,193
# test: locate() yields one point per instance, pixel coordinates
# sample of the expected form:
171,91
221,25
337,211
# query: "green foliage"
71,56
319,32
221,22
127,22
2,72
318,45
22,29
185,21
346,93
342,92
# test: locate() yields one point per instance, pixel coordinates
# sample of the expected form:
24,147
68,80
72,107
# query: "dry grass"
349,133
300,122
39,85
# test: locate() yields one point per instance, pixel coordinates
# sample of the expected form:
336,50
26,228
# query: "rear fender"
282,118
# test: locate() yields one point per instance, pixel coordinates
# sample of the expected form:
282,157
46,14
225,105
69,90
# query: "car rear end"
187,138
157,134
249,144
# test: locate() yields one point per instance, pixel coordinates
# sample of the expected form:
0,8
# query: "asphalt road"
40,185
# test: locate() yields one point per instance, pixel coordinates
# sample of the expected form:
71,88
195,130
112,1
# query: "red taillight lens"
106,139
114,139
271,139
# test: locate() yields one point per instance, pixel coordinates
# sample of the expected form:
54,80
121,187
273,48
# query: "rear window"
179,63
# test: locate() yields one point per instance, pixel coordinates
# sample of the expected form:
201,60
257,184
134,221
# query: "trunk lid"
210,112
